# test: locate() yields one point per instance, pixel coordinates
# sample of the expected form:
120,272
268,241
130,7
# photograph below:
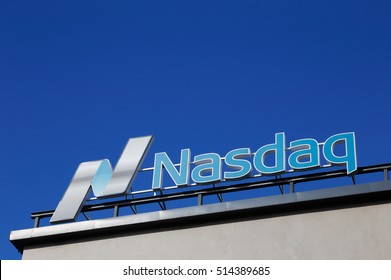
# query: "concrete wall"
353,233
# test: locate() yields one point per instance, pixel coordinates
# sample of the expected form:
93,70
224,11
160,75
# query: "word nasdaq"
304,154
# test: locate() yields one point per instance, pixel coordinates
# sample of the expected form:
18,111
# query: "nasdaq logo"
304,154
270,159
99,177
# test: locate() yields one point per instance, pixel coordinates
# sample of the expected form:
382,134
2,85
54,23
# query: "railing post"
291,187
116,210
36,221
200,199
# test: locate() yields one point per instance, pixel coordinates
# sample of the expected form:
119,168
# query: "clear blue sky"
78,78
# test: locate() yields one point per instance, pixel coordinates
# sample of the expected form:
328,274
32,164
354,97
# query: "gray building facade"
349,222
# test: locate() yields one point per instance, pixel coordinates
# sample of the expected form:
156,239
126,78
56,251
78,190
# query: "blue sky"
78,78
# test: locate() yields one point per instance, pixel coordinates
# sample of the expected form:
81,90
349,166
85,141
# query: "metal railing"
161,198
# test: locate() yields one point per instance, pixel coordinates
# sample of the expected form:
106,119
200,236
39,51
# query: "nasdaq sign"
99,177
305,154
103,181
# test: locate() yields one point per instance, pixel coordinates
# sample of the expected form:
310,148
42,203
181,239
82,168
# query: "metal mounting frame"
161,198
